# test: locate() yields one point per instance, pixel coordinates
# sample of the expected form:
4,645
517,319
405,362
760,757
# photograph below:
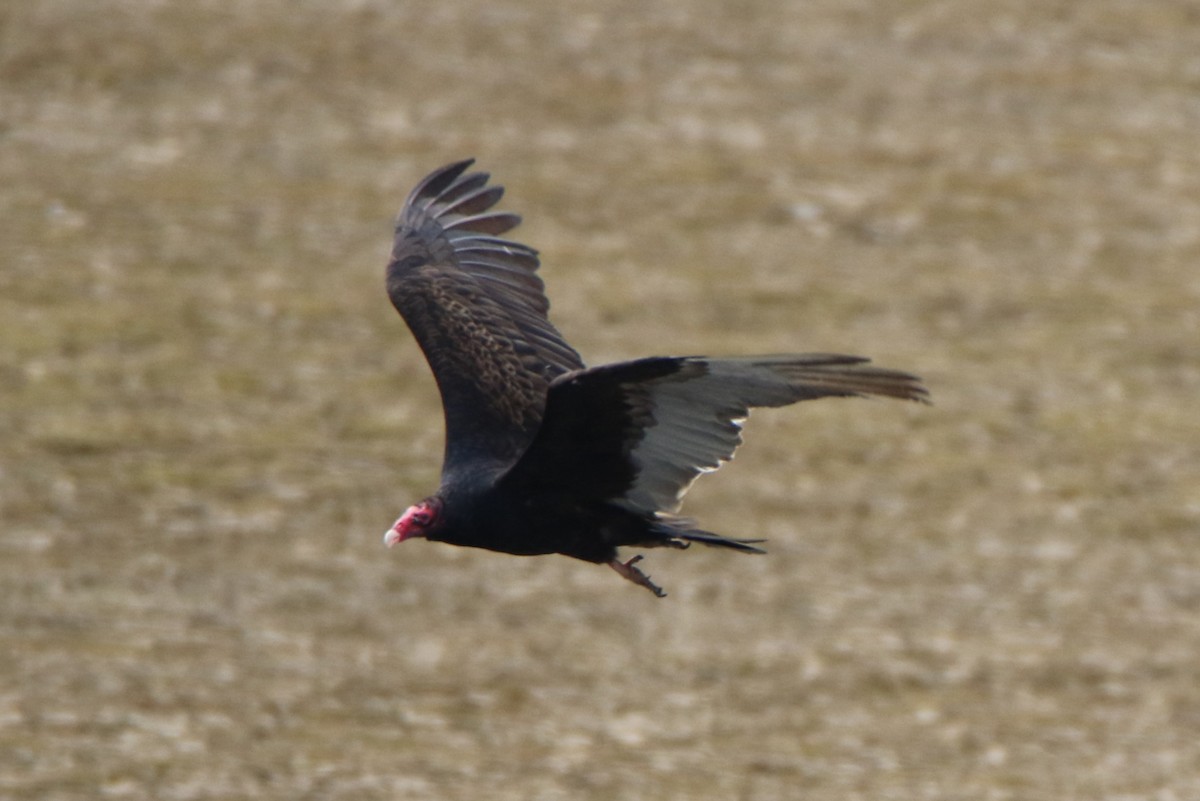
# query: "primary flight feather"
544,455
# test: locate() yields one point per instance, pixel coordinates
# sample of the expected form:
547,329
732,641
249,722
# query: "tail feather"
679,531
708,538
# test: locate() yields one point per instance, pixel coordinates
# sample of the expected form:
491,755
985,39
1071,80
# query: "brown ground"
210,413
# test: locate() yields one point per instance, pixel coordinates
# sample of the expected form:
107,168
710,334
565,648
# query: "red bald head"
416,521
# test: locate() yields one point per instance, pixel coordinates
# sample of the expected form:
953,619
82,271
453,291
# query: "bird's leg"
628,571
668,543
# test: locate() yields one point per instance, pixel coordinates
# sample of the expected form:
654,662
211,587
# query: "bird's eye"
421,519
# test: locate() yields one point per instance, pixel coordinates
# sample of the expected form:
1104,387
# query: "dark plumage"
542,454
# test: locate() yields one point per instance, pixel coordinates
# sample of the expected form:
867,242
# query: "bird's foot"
627,571
672,543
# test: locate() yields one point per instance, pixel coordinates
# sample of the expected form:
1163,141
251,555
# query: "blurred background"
209,412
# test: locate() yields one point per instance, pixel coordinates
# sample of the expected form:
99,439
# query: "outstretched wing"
638,433
478,310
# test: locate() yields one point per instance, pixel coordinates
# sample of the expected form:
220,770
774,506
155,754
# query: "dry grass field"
209,413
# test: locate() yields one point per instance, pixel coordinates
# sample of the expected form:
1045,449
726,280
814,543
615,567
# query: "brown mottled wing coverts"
639,433
478,310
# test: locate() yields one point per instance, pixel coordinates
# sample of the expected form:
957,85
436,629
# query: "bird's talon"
629,572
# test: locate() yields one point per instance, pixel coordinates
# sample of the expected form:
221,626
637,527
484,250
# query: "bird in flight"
543,454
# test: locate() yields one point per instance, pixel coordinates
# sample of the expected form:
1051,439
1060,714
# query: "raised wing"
639,433
478,310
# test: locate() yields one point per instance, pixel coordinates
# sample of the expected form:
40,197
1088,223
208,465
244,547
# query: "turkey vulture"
544,455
